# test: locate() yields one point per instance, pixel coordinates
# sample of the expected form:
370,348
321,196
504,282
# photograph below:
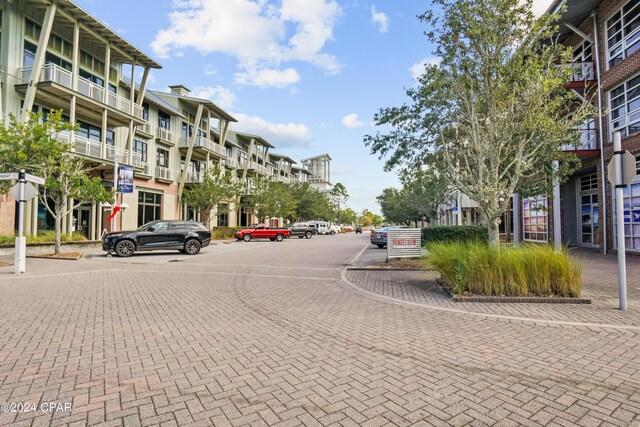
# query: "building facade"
56,56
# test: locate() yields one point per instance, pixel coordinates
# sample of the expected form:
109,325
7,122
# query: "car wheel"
301,237
308,235
279,237
247,237
125,248
333,233
380,246
192,247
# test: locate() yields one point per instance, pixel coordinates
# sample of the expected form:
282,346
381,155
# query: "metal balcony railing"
581,71
163,173
145,127
588,141
57,74
164,134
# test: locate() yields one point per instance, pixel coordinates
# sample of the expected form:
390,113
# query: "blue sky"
307,75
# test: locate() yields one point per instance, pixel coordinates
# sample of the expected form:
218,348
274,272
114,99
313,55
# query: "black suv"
186,236
302,229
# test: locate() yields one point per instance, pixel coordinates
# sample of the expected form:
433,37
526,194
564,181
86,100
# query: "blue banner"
125,179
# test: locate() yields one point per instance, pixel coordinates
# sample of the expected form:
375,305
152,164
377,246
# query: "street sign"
33,178
628,169
454,209
29,192
8,176
404,243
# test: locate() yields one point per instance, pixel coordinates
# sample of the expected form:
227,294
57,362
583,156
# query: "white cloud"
210,70
417,69
351,121
278,134
341,170
540,6
221,96
268,77
381,19
260,34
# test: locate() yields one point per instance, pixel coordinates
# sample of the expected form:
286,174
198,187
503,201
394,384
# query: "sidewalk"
600,284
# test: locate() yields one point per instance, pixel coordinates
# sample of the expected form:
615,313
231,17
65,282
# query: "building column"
97,226
92,222
516,219
467,220
38,61
28,211
103,134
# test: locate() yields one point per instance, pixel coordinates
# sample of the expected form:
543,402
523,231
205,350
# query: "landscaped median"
476,271
42,246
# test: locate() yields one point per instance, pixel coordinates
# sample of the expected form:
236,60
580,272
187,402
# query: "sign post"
621,171
20,260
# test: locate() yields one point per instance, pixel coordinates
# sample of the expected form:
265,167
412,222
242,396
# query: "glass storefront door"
589,220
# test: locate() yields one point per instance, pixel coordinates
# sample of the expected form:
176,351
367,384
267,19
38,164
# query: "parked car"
379,237
359,229
334,229
186,236
321,226
262,231
302,229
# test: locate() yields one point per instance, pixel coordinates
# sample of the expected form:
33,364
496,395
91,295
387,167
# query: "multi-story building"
320,169
54,55
605,39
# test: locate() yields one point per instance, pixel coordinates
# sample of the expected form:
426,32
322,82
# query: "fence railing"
163,173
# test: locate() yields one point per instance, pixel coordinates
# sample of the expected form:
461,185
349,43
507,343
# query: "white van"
322,226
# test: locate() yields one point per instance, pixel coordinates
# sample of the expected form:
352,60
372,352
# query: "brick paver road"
269,334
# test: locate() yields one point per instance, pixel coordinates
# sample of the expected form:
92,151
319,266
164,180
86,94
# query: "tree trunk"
494,232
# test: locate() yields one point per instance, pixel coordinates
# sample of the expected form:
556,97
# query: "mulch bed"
5,264
72,256
509,299
416,264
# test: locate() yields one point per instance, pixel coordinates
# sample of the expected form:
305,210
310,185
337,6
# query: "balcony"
258,168
90,148
145,129
582,74
58,82
194,177
143,167
163,174
588,142
164,135
231,163
203,143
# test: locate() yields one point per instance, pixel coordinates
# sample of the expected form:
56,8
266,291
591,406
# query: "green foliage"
44,237
311,203
531,270
347,216
397,206
443,234
493,115
271,199
217,187
32,146
221,233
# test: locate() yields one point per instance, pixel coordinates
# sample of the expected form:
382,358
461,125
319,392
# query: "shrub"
221,233
44,237
467,233
532,270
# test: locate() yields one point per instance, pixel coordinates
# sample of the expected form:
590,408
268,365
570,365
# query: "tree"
217,187
347,216
426,189
311,203
339,195
271,199
32,146
397,207
494,114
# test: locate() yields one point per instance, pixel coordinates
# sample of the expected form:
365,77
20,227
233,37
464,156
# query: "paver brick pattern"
218,340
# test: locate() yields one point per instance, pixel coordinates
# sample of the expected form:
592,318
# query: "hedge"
465,233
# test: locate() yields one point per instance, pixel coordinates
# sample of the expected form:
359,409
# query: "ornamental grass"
528,270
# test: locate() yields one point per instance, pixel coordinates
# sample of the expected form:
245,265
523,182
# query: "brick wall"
7,214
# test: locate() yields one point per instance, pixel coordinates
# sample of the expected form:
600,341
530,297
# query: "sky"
306,75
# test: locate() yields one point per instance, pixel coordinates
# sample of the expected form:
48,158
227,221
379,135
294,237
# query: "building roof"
577,11
281,156
195,101
324,156
258,138
152,98
69,8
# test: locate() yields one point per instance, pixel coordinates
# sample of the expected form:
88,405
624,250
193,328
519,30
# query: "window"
623,33
582,52
163,158
624,103
145,111
91,132
149,207
141,148
589,210
229,152
223,215
164,120
631,203
534,212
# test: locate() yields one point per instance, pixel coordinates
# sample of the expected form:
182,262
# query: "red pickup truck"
262,231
